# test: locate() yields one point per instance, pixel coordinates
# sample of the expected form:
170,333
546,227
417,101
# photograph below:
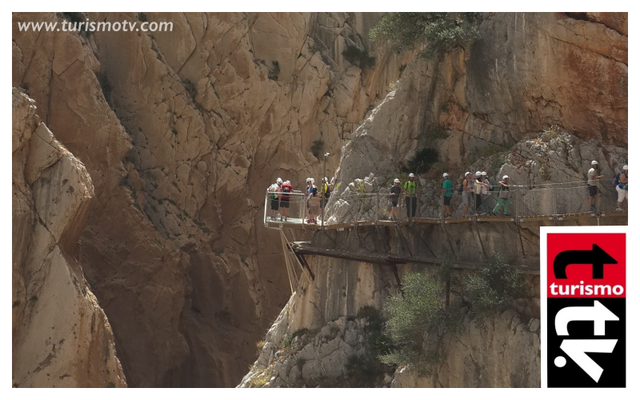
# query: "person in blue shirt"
623,188
447,192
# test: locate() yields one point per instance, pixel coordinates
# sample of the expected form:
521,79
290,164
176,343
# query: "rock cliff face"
549,93
502,351
175,135
181,132
527,73
61,336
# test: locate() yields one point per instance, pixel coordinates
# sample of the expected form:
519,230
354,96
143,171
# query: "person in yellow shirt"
411,199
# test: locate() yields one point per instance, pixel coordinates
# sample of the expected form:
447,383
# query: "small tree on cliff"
441,32
417,321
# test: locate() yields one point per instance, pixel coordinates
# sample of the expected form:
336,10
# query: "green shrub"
422,160
316,148
358,57
366,370
496,286
275,71
441,32
417,321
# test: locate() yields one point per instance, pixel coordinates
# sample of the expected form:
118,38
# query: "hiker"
592,185
477,189
623,187
486,187
447,192
394,195
325,192
411,199
314,205
503,196
274,194
284,199
307,193
467,192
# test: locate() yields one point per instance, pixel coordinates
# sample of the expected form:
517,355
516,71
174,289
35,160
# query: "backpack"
327,191
286,189
616,180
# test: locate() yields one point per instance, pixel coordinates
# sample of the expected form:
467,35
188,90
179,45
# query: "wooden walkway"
598,219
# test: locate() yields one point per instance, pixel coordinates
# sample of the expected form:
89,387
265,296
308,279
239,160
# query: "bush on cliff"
441,32
416,323
495,288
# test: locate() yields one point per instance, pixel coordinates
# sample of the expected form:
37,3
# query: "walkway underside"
305,248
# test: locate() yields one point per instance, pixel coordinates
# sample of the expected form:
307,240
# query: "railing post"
266,200
377,207
517,203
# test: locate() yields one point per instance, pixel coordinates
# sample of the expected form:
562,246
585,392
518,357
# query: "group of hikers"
472,192
475,190
621,183
315,199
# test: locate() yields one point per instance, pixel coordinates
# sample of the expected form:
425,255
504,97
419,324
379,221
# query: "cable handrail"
536,199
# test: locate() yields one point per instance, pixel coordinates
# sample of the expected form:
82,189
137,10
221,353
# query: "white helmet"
411,175
396,180
308,180
505,177
279,181
288,182
478,174
484,173
467,174
445,175
626,167
594,162
313,181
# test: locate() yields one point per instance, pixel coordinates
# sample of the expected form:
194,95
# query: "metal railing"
554,199
290,208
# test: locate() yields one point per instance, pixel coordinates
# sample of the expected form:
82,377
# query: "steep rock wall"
326,307
181,132
526,73
61,336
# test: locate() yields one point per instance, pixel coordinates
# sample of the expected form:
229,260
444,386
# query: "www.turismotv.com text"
93,26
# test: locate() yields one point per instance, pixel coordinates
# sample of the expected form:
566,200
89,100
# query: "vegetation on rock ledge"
441,32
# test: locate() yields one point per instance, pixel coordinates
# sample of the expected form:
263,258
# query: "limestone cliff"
538,96
181,132
527,73
61,336
175,135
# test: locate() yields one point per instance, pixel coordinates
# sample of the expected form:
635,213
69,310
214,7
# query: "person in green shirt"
503,197
411,199
447,192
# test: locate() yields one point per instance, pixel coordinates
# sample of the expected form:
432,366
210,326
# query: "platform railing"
552,199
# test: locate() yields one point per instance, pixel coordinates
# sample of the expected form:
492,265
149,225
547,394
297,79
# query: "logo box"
584,290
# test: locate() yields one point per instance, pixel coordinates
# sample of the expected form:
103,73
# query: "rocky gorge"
140,161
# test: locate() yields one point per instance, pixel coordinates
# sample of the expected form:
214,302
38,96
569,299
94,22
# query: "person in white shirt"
592,185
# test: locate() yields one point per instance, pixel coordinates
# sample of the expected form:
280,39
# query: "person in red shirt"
284,199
